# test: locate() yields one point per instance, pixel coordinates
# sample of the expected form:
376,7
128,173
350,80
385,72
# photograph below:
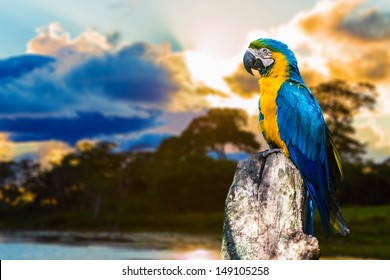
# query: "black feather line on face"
266,70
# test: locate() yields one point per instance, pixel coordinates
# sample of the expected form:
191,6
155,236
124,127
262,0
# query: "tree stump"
264,211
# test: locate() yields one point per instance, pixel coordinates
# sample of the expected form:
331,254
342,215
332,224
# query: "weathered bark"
264,211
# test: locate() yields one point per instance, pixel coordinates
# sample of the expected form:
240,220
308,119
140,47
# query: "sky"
136,72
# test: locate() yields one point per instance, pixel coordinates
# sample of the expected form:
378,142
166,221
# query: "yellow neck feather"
269,87
280,68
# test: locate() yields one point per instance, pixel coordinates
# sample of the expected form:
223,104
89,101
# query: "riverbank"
369,225
68,245
209,223
155,240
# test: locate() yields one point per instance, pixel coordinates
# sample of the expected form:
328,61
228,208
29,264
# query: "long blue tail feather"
309,215
315,203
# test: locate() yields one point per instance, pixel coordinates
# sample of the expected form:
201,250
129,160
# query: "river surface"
178,247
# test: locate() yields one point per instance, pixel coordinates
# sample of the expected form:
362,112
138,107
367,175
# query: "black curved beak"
251,62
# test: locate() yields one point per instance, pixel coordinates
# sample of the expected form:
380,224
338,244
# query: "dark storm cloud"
43,98
29,85
128,75
370,24
15,67
72,129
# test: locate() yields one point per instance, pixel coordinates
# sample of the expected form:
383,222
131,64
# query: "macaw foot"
269,152
264,155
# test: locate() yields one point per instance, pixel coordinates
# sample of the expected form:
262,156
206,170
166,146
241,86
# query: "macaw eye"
265,51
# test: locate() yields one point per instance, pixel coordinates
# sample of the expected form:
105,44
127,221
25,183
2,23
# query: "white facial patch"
264,54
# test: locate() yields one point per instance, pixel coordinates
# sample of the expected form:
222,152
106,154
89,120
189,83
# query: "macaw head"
265,55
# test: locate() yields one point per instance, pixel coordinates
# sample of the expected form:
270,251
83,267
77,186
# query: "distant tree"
177,148
6,172
340,102
6,177
366,183
197,184
60,186
98,172
214,131
86,179
181,177
15,179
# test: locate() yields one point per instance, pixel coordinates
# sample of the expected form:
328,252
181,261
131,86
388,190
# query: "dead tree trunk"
264,211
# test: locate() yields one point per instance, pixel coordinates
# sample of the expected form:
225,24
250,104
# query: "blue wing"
303,130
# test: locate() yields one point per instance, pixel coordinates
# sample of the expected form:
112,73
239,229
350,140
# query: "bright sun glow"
249,105
210,69
200,254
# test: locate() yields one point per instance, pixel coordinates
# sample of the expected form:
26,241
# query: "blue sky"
135,72
154,21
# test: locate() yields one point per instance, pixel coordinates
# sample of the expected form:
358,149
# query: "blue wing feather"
303,130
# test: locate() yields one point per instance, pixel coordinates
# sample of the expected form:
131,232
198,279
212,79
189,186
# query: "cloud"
189,95
368,24
326,17
243,84
371,65
98,93
71,129
176,122
312,77
53,40
100,65
52,152
352,37
94,87
5,148
48,152
371,132
129,75
29,85
15,67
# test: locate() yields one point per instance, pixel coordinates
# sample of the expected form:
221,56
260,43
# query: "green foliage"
6,172
369,236
197,184
340,102
217,129
365,183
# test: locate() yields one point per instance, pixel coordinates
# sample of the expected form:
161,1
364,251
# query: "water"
39,251
27,249
16,249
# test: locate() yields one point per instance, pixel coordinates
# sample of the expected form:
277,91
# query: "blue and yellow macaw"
291,119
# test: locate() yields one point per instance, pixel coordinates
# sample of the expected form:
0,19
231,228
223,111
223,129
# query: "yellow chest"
269,87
